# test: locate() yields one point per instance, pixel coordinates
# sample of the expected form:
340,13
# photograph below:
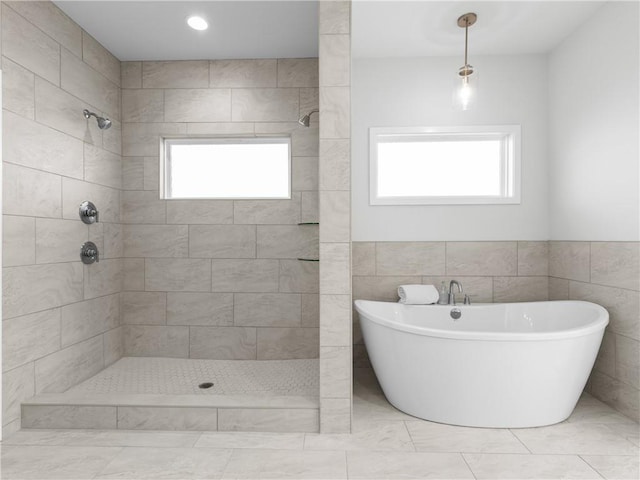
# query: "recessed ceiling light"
197,23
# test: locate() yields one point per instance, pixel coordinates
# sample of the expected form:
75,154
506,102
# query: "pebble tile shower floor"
178,376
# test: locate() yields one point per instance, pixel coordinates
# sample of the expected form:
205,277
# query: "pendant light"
466,85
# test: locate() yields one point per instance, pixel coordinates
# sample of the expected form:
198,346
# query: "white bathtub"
499,365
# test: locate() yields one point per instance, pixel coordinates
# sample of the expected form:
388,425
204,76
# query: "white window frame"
510,163
165,159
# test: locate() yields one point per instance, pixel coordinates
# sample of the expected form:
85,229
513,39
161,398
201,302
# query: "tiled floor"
140,375
596,442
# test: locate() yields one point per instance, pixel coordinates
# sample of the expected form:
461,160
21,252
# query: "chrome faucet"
452,295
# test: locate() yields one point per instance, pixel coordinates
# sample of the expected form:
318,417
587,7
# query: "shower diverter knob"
88,213
89,253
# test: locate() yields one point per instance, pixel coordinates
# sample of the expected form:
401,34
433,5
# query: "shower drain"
206,385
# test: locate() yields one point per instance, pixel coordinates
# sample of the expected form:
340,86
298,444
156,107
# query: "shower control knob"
89,253
88,213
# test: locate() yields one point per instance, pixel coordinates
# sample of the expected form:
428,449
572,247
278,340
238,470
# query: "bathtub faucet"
452,295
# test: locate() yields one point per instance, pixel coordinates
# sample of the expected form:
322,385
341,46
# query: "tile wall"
335,216
60,318
219,279
606,273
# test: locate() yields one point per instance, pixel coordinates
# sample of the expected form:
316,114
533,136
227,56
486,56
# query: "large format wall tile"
142,207
59,240
223,343
178,275
100,59
30,337
410,258
299,276
31,192
287,343
204,212
520,289
254,275
263,212
106,199
34,145
335,223
482,258
61,370
216,241
102,167
267,309
570,260
144,308
167,418
335,275
204,309
52,21
335,69
62,111
131,74
243,73
616,264
143,105
334,17
84,82
156,240
28,46
297,72
18,386
264,105
39,287
335,105
84,320
623,306
197,105
533,258
19,241
102,278
156,341
143,139
18,89
182,74
283,241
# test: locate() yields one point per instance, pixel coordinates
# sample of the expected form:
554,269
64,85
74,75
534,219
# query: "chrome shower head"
304,121
103,123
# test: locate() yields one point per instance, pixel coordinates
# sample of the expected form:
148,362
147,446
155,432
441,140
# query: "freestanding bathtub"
506,365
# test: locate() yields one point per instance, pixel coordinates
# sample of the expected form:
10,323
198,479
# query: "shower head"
103,123
304,121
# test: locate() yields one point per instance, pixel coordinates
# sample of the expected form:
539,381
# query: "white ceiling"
156,30
429,28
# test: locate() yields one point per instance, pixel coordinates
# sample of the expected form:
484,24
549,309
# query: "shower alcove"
213,291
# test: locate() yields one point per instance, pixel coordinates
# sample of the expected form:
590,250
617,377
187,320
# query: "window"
231,168
445,165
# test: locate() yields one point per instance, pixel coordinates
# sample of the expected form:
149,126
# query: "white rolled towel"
418,294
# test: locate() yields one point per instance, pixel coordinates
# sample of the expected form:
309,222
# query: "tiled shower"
216,280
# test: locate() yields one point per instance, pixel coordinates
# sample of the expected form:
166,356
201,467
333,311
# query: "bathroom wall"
219,279
335,216
488,272
580,189
60,317
594,189
418,92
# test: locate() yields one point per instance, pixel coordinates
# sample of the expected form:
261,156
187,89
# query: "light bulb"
197,23
465,90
